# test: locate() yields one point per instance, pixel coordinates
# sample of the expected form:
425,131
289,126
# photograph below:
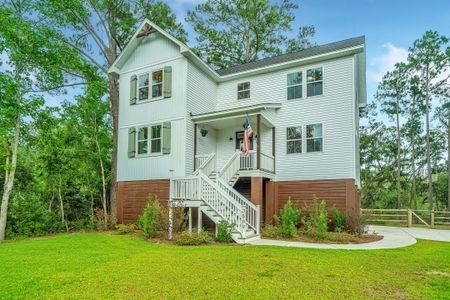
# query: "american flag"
247,134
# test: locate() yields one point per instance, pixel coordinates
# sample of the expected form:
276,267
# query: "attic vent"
147,30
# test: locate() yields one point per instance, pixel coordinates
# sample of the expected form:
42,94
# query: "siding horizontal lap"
134,197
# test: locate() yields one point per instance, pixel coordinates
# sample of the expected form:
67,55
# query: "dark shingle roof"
352,42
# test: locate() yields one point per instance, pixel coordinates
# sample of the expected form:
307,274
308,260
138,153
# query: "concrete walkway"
394,237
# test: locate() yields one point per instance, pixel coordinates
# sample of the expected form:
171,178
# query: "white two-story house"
181,127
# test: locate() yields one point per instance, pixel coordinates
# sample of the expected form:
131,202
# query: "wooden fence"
407,217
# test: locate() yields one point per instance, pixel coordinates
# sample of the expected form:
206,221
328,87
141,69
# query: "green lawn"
111,266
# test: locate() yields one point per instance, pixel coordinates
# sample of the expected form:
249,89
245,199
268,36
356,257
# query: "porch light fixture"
203,132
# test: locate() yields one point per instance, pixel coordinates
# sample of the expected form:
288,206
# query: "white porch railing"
248,162
267,162
200,159
231,167
208,163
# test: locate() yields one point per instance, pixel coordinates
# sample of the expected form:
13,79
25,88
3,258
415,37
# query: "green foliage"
100,218
224,41
288,220
340,219
271,231
187,238
125,228
28,216
148,221
224,232
359,224
316,222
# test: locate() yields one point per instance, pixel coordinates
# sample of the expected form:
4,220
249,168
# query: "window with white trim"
294,140
157,84
142,141
314,82
155,139
143,87
243,90
314,138
294,85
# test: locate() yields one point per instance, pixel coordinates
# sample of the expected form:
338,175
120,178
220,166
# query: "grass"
102,266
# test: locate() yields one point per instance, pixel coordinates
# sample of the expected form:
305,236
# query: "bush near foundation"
187,238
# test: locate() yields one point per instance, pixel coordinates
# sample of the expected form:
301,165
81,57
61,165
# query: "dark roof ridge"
320,49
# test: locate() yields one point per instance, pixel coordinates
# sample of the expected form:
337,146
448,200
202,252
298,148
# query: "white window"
156,139
143,87
294,85
243,90
157,84
314,82
294,140
314,138
142,141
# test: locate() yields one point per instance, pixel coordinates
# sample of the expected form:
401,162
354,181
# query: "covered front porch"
222,133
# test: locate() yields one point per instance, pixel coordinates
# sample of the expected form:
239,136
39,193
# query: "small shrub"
148,221
288,220
224,232
154,222
340,220
125,228
271,231
316,222
187,238
99,220
359,224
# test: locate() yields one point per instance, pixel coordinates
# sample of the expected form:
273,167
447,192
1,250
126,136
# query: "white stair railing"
223,204
200,187
252,217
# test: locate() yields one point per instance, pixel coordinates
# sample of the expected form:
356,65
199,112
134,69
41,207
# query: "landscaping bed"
331,238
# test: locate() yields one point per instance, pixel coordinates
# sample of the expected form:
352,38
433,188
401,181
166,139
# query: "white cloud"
379,65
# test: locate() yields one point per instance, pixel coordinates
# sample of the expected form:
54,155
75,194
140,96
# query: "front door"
240,140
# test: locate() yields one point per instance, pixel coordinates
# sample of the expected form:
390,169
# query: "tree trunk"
448,158
413,166
10,175
114,98
398,156
61,205
427,123
9,179
105,212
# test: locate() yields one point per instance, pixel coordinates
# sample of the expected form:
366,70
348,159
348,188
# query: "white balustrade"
267,163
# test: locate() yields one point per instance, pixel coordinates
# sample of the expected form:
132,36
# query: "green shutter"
167,82
132,142
133,89
166,138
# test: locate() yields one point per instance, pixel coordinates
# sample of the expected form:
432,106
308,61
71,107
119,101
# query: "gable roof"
344,47
302,54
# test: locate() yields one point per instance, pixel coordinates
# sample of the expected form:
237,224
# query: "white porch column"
199,220
190,219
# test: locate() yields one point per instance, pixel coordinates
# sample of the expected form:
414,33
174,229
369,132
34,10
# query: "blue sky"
390,27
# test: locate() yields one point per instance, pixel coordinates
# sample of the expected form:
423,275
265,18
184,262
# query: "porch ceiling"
230,117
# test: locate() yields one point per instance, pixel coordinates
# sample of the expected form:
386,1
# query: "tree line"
59,163
405,162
